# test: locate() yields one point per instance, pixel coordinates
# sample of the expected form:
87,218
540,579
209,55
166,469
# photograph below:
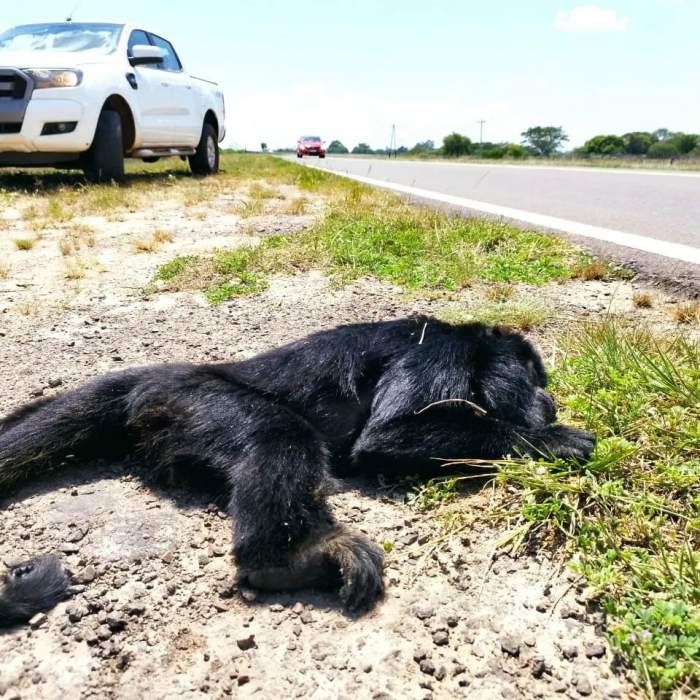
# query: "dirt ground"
153,612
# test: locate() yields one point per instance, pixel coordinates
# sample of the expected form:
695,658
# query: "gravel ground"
153,612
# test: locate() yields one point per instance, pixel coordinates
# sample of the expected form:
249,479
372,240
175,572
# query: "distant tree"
456,145
661,135
423,147
637,143
544,140
515,150
362,148
604,145
401,149
685,143
663,149
263,147
336,147
492,150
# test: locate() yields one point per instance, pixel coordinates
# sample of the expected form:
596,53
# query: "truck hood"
48,59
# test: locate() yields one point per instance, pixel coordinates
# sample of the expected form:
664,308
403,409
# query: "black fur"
367,397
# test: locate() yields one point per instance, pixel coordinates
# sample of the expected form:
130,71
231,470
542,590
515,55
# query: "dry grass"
297,207
687,312
4,270
500,292
593,270
74,269
24,243
642,300
154,242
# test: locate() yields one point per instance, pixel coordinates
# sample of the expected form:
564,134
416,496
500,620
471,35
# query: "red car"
311,146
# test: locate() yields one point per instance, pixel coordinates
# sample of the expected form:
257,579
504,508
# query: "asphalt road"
662,208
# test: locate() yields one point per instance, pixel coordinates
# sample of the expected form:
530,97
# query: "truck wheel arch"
210,118
118,104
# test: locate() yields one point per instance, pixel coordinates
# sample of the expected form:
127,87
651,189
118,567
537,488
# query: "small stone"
248,595
440,673
420,654
307,617
367,668
441,638
276,608
321,650
583,685
55,381
542,606
87,575
570,652
424,611
246,643
427,666
37,621
452,621
510,646
76,612
69,548
594,650
537,667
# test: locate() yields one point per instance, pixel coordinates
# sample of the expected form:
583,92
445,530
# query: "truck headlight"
54,77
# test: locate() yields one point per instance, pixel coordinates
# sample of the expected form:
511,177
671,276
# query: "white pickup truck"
88,95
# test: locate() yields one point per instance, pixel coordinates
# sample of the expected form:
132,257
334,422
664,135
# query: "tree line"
547,141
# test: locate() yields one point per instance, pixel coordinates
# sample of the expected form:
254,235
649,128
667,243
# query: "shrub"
663,149
456,145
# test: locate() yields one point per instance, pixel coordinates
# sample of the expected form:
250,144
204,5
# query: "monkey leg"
284,535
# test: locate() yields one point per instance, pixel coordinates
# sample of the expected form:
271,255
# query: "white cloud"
591,18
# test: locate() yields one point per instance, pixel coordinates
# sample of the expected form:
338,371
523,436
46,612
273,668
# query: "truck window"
171,61
137,38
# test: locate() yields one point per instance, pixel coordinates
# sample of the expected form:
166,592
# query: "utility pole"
481,123
392,143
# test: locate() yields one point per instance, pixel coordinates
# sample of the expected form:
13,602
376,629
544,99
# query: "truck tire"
104,162
205,161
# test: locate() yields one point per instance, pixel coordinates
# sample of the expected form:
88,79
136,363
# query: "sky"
349,70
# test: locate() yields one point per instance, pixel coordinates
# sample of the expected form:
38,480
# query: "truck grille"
12,85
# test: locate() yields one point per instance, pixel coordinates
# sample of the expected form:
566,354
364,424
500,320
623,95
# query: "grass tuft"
687,313
642,300
631,516
24,243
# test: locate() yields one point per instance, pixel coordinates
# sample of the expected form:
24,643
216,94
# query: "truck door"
151,97
182,99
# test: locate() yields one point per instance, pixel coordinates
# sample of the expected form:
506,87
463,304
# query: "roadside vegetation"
366,232
661,148
630,518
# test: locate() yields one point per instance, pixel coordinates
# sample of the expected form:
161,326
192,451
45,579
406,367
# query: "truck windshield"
100,38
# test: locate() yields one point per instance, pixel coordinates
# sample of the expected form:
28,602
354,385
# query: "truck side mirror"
146,55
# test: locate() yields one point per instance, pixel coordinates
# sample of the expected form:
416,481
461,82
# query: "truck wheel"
321,155
205,161
104,162
299,155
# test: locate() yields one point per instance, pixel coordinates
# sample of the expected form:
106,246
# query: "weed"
642,300
592,270
687,312
4,270
524,316
24,243
153,242
500,292
297,207
632,513
74,269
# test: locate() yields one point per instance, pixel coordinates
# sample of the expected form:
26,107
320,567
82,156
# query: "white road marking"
676,251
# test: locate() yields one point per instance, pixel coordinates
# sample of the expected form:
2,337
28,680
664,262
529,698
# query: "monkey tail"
86,422
30,587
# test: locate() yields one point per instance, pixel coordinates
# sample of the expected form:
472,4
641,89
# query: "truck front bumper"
25,115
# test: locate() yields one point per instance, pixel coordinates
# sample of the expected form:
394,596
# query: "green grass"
631,516
522,315
371,233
